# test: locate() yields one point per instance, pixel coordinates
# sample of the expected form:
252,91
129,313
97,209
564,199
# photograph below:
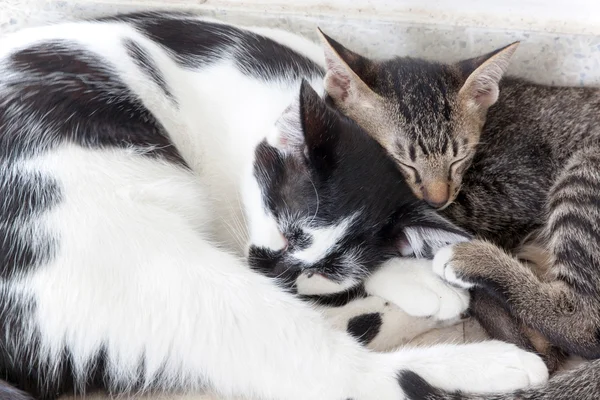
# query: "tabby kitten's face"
424,126
428,116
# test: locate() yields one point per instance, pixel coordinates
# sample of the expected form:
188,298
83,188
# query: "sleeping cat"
505,160
136,153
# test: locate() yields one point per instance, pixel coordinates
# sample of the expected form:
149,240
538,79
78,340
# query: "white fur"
148,266
411,285
436,239
264,231
323,241
397,328
442,266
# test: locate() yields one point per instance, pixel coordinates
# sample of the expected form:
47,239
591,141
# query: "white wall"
558,16
560,39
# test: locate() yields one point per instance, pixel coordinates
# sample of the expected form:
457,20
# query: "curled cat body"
169,183
508,160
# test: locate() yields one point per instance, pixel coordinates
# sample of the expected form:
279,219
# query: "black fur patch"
338,299
141,57
416,388
24,196
75,96
56,93
365,327
22,367
271,263
194,43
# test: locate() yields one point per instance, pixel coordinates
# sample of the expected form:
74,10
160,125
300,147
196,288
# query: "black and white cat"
141,156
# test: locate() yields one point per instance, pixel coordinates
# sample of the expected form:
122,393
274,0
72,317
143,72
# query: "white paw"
442,266
509,368
486,367
410,285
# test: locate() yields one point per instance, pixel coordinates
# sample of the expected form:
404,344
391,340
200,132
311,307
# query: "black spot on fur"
141,57
454,148
365,327
416,388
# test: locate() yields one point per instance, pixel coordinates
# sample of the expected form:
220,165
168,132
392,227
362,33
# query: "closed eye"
455,165
459,161
412,169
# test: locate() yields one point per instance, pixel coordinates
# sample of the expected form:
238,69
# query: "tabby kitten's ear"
344,79
483,75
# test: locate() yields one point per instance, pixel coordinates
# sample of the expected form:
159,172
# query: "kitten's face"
426,128
428,116
325,205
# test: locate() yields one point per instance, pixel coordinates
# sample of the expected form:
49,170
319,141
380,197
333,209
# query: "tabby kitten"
503,159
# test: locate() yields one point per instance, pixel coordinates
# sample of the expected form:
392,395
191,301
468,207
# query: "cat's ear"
483,75
287,135
431,232
345,74
306,126
318,123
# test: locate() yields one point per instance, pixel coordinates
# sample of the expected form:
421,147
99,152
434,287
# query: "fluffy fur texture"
140,154
516,159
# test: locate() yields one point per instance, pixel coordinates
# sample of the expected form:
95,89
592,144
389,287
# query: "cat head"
325,204
427,115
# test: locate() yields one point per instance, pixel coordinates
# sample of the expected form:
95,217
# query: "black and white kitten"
130,149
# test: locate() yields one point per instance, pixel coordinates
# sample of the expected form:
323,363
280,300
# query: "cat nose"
436,194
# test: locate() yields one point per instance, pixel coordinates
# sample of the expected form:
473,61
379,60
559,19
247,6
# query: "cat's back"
138,81
527,139
558,118
63,76
97,142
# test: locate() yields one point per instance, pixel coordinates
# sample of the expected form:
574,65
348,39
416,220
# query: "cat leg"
379,324
405,299
492,315
566,308
410,284
398,302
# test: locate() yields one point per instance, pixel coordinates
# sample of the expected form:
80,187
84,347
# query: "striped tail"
581,383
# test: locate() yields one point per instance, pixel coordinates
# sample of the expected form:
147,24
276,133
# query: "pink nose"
436,194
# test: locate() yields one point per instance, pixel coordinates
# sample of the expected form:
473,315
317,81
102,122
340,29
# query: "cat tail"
581,383
8,392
